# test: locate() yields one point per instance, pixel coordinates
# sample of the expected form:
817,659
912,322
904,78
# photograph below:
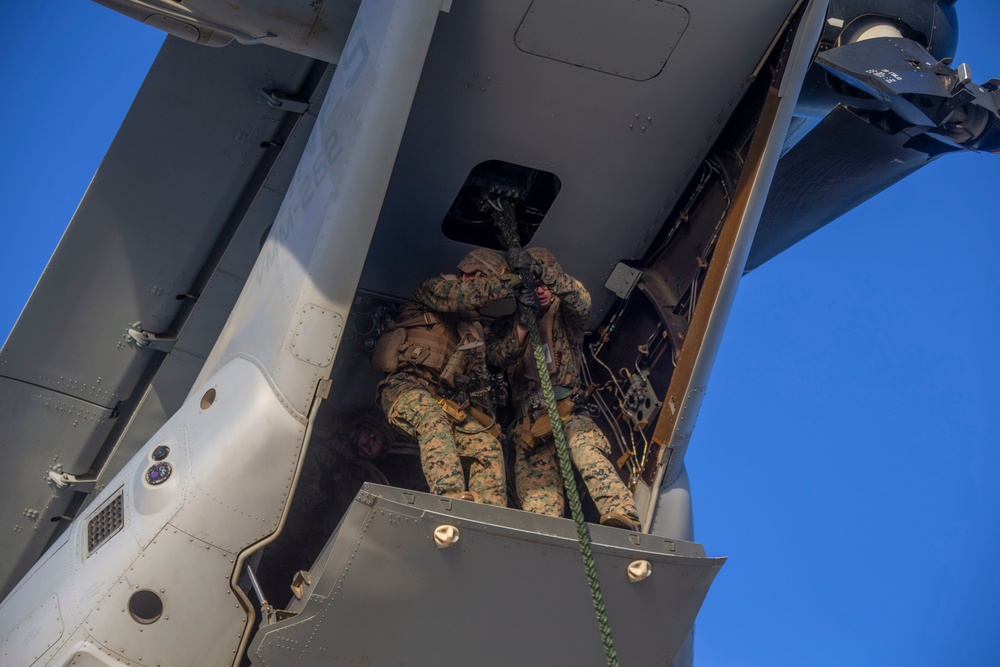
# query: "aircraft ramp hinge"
79,482
284,101
138,336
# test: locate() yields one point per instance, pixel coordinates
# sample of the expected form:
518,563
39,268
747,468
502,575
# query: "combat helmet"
483,260
372,421
544,256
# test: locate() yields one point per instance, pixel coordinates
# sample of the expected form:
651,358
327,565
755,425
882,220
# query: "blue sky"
845,455
846,452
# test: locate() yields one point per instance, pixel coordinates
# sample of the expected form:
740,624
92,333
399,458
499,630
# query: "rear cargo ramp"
510,591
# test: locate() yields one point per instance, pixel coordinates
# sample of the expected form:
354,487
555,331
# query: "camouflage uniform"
409,404
449,294
408,397
536,471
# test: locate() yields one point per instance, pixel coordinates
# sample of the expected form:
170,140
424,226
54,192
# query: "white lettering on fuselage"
308,180
886,75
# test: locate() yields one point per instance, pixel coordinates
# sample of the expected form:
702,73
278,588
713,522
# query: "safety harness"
448,359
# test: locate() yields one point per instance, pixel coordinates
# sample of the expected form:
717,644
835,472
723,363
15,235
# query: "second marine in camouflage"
429,354
564,309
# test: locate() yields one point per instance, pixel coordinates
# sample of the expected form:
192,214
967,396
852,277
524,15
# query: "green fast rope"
505,221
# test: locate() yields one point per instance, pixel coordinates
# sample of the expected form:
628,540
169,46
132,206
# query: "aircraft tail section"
215,480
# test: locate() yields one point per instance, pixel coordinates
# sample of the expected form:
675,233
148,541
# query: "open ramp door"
511,590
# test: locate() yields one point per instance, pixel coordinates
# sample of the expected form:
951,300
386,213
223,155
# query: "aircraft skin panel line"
263,216
175,530
75,395
311,258
243,427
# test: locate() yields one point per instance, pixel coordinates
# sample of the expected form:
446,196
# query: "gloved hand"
512,279
526,294
546,273
518,258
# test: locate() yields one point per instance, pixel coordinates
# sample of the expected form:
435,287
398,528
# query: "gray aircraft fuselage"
349,165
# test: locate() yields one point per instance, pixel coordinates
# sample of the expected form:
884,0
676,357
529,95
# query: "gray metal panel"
35,635
622,149
511,591
310,262
170,572
315,28
45,431
628,39
201,327
122,259
826,175
169,185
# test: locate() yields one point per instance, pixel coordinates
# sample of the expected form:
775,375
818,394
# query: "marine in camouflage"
483,261
409,395
565,318
335,467
561,326
485,279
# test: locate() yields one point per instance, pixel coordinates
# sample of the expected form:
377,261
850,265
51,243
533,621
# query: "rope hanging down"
504,219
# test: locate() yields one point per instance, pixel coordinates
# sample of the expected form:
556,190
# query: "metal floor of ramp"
510,591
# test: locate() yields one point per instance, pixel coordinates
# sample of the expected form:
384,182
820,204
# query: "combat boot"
471,496
619,520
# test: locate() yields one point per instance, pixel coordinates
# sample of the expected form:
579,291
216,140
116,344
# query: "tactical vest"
423,341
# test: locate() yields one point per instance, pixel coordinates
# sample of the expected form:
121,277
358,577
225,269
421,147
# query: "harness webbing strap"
423,319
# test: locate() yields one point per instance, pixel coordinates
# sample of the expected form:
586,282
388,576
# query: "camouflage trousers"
415,410
539,484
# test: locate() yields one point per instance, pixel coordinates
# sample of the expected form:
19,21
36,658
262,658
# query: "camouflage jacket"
444,294
450,294
565,319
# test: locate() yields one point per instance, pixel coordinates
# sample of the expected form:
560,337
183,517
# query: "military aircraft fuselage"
355,151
